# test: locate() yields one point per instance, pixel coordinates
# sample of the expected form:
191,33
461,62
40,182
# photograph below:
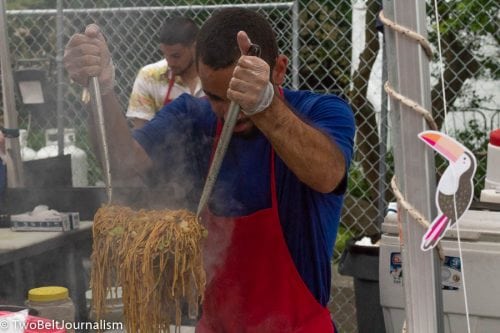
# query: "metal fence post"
409,75
14,164
60,78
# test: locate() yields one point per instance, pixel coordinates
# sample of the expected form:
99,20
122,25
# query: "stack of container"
491,192
480,240
79,164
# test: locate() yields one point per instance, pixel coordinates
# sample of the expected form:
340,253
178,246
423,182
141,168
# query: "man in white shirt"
159,83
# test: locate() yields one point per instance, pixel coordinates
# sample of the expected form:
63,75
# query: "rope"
412,105
432,124
408,206
441,70
417,108
441,67
417,216
407,32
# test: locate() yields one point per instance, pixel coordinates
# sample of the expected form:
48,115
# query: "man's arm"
87,55
311,155
137,123
128,159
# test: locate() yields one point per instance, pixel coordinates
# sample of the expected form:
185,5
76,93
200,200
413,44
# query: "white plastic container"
492,180
27,154
53,302
480,239
491,196
79,164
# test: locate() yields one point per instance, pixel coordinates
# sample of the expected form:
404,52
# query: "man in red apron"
159,83
273,216
256,287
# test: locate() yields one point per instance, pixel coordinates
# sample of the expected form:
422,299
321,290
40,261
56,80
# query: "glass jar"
54,303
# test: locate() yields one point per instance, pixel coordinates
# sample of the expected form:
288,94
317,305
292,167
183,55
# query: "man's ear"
279,70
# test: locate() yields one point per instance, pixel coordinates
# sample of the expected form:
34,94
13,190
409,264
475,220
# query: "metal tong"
95,94
220,151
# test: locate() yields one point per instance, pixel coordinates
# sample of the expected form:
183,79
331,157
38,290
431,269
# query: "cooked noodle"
155,256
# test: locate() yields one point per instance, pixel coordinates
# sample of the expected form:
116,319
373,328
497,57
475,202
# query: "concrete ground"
342,304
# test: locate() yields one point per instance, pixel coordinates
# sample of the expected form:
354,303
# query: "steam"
219,237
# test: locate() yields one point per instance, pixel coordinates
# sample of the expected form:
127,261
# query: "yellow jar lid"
48,294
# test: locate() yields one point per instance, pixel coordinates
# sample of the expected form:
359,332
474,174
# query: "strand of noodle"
155,252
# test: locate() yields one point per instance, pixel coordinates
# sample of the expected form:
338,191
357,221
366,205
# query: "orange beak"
443,144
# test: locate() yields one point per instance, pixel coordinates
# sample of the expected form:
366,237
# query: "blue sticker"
396,268
451,273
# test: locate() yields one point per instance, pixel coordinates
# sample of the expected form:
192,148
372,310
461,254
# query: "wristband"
265,100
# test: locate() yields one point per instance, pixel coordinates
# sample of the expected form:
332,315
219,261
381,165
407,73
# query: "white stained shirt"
150,89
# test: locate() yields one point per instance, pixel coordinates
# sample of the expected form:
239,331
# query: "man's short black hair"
178,30
216,45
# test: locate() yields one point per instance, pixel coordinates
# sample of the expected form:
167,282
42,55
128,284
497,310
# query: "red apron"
171,82
252,282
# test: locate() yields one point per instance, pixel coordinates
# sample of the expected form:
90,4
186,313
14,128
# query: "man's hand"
250,86
87,55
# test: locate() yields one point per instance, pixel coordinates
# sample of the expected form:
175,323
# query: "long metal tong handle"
220,151
97,108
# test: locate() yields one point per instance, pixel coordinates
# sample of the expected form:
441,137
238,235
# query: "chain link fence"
132,35
334,46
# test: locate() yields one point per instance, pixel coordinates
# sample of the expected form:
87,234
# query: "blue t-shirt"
179,140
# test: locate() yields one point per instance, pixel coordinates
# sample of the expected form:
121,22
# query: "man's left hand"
250,86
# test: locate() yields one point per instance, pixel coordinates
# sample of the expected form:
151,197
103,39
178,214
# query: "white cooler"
480,240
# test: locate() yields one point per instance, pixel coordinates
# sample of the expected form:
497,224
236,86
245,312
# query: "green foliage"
474,20
357,185
30,4
36,138
325,57
476,139
478,15
343,235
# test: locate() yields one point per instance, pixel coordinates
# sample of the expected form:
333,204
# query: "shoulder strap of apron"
171,82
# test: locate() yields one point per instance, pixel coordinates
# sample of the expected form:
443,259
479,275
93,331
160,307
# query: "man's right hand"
88,55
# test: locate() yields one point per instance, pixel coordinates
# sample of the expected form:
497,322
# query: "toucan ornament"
455,189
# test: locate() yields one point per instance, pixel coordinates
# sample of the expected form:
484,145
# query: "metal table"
19,248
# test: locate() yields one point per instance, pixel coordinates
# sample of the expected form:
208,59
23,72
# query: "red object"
37,324
252,283
495,137
171,82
